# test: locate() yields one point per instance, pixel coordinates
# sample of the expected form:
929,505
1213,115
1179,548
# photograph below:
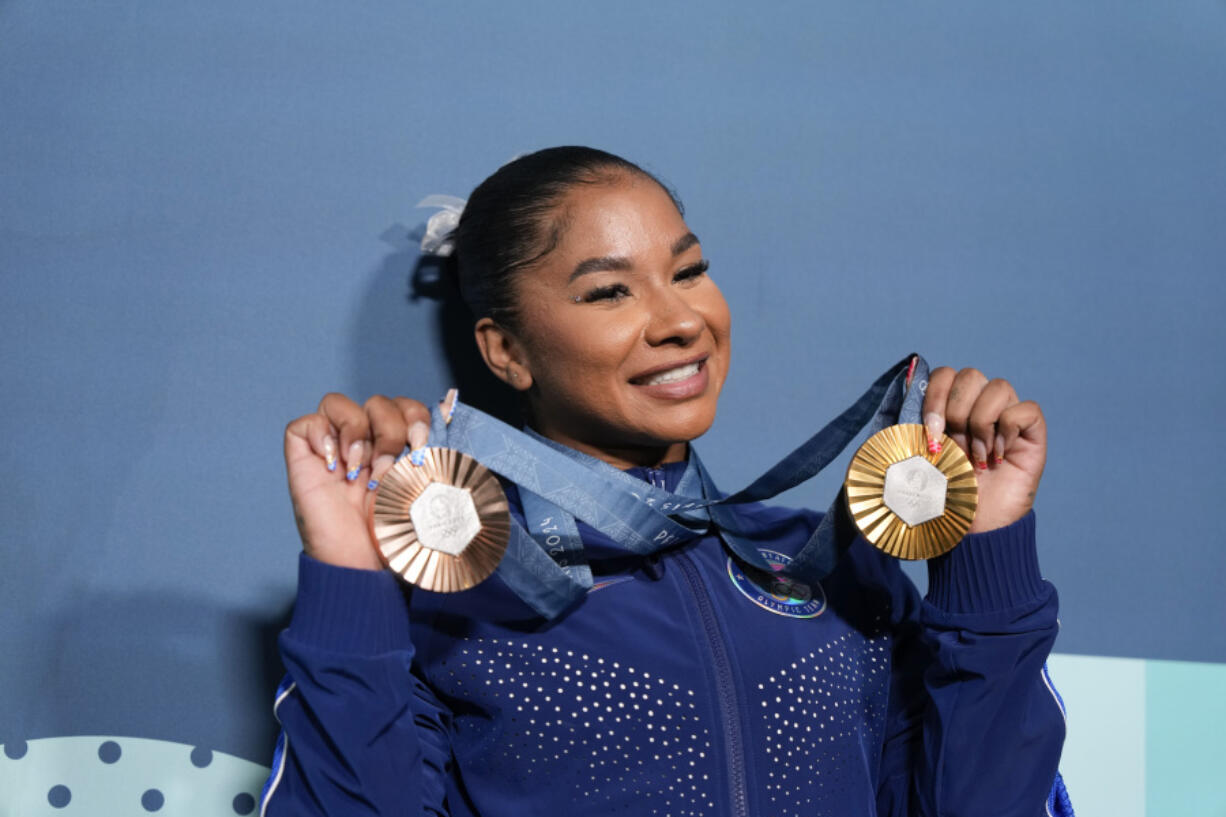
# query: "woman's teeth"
672,375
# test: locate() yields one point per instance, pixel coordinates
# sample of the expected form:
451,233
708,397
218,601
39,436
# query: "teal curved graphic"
109,776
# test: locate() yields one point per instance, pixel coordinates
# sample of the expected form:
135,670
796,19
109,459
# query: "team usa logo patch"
783,597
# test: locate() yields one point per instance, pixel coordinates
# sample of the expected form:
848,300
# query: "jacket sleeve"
361,733
975,727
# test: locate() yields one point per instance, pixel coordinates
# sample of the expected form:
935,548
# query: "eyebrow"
621,263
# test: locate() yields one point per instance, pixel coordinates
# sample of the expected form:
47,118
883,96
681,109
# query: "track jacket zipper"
725,683
725,687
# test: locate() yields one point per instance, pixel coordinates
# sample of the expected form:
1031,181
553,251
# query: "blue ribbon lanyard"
545,565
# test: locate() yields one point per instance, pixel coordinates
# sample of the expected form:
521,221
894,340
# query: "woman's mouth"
683,380
673,375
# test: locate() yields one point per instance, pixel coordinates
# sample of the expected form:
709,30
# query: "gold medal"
442,525
906,501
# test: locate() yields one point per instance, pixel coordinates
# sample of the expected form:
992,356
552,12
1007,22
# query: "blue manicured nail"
354,459
418,457
330,453
373,484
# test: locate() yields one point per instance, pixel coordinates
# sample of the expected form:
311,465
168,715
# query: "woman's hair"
512,220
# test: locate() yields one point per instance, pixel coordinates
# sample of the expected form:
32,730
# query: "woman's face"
623,334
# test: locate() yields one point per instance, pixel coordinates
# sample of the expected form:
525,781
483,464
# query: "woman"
673,687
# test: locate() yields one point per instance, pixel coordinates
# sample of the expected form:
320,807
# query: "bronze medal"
442,525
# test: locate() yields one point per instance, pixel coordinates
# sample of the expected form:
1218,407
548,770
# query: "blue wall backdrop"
191,202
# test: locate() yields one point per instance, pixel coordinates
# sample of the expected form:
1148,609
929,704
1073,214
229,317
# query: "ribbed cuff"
347,610
987,572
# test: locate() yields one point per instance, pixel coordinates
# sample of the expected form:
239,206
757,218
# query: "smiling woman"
621,338
700,680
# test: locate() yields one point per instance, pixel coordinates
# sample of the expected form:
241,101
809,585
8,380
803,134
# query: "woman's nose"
673,320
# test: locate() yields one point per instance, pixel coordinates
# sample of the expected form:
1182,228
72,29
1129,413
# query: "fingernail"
354,461
979,453
449,402
935,425
330,453
419,435
417,456
1000,449
379,466
373,484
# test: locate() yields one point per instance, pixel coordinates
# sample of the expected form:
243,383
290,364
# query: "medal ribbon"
545,565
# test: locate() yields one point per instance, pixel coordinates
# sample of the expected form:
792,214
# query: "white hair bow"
437,240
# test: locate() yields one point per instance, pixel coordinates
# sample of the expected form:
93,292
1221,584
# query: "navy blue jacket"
677,687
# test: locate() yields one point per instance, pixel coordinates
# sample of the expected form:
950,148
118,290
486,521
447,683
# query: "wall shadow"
387,339
156,665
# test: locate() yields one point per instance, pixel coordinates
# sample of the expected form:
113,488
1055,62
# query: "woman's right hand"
333,460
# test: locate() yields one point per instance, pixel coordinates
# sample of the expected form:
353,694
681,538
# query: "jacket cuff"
346,610
986,572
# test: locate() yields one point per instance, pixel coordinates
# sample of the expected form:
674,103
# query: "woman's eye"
693,271
612,292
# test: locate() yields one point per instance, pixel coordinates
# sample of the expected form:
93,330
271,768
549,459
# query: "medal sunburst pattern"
392,526
865,488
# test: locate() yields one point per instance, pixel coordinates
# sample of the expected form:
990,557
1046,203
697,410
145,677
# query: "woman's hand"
333,460
1005,438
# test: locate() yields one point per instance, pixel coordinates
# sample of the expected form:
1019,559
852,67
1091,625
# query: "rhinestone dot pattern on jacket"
638,736
813,712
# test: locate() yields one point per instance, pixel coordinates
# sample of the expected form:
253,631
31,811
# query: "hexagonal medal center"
445,518
915,491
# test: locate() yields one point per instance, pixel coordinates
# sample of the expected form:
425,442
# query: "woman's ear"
503,353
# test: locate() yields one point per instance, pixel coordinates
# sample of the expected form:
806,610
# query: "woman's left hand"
1005,438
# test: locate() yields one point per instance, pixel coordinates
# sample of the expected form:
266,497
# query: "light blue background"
191,199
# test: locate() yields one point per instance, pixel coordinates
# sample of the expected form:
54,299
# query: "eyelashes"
613,292
692,271
618,291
